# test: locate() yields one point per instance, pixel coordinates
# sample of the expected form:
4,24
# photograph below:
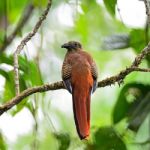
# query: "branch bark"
59,85
23,43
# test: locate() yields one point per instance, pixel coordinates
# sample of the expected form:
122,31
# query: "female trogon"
79,73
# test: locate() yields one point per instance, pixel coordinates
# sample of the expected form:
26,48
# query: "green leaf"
4,74
9,60
15,9
64,141
29,76
87,5
121,106
6,59
110,5
140,113
2,35
137,39
9,91
106,138
2,143
2,8
40,3
130,103
32,75
30,69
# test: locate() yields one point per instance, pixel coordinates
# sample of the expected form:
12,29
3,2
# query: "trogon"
79,73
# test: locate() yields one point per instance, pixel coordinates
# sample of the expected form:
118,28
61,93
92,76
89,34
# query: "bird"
79,75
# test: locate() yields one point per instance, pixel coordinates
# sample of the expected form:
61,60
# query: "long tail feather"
81,108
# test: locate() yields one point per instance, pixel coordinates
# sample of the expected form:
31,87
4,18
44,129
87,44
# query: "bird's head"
72,45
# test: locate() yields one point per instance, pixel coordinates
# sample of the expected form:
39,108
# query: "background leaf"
2,143
106,138
64,141
133,103
110,5
137,39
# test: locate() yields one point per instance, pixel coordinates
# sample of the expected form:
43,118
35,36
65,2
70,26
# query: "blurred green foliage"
111,6
2,143
132,102
107,138
118,114
140,42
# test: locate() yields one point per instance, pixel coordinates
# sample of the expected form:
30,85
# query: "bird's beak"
65,45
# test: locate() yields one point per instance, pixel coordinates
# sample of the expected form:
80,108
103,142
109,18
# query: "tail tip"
85,137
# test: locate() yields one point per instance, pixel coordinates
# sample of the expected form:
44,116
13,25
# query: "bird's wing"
94,72
66,75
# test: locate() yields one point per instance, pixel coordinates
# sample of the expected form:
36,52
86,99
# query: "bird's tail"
81,108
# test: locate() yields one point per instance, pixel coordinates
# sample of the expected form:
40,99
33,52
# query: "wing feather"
94,72
66,75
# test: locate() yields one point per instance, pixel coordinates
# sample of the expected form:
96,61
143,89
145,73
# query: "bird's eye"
75,44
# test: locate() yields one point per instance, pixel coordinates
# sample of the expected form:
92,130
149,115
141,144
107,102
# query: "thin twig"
146,31
23,43
26,15
147,6
120,77
141,69
118,9
59,85
23,20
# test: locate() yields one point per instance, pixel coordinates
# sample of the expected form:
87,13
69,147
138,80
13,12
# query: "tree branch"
25,17
23,43
134,67
59,85
147,6
30,91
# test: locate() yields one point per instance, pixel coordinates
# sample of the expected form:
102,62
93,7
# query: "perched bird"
79,73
